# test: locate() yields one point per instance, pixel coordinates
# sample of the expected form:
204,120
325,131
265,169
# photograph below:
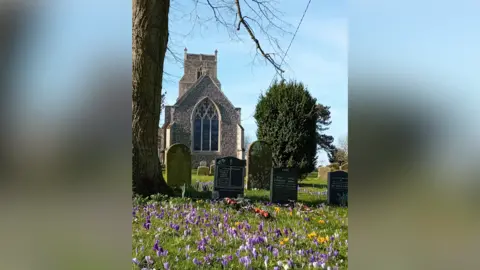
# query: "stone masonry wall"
228,124
192,63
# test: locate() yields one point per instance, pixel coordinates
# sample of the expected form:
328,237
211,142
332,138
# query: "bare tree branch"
243,22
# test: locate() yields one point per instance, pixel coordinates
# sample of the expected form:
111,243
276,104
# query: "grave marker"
229,177
337,188
179,165
284,185
259,165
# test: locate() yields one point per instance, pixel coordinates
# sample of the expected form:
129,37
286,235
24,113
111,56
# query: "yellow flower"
322,240
321,221
277,209
291,213
237,223
311,235
281,243
285,239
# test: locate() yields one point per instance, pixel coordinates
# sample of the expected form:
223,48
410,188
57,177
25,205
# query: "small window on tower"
199,74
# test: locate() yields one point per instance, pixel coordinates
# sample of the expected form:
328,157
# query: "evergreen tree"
292,121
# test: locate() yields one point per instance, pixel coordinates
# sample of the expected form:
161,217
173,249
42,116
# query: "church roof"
196,84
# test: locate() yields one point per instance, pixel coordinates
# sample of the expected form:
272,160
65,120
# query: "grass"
176,233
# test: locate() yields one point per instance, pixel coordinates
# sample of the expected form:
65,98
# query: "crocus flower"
148,259
275,252
245,261
136,261
196,261
166,265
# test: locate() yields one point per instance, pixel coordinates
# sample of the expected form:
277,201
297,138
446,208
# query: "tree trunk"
149,38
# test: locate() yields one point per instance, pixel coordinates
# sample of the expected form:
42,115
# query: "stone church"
203,118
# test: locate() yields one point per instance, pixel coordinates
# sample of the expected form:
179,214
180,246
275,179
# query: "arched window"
205,127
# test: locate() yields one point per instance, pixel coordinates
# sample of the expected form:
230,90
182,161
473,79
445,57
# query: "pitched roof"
194,87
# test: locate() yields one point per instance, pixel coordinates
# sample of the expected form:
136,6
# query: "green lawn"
176,233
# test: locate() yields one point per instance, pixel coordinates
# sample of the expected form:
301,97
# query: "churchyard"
242,214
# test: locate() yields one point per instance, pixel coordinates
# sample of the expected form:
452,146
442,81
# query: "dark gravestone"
284,185
229,177
337,192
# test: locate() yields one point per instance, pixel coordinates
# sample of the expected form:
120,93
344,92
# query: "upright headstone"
259,165
212,169
203,163
229,177
202,170
323,172
337,188
284,185
179,165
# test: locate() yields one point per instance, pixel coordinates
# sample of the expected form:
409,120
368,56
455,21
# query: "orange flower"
321,221
322,240
282,243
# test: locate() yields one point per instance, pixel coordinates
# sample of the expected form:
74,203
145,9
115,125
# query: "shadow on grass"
312,185
265,199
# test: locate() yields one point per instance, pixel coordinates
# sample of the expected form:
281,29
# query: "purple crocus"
166,265
136,261
245,261
196,261
275,252
290,263
148,259
254,253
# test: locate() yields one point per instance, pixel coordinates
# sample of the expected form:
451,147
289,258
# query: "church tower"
196,66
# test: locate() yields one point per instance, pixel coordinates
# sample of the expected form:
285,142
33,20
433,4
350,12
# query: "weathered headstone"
212,169
203,163
229,177
202,170
178,165
337,188
284,185
323,172
259,165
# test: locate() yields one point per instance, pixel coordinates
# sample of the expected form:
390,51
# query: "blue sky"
317,57
73,39
435,41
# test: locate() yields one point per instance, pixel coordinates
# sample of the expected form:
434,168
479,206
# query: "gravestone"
229,177
178,165
202,170
323,172
203,163
284,185
259,165
212,169
337,188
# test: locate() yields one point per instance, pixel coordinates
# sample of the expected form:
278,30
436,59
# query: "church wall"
228,125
